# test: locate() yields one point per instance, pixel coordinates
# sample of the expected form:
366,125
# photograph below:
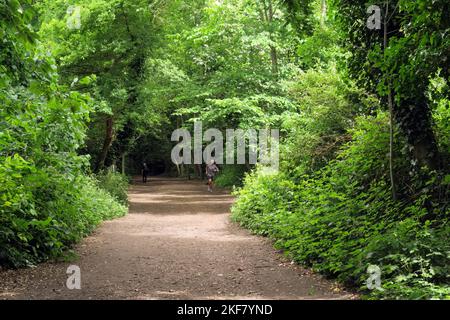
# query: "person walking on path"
145,172
211,171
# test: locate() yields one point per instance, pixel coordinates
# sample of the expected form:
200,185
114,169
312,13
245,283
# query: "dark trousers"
144,177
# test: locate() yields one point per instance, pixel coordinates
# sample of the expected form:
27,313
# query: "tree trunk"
323,10
274,59
106,144
273,50
391,114
414,119
123,163
266,16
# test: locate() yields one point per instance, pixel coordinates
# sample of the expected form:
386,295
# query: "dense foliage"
91,87
340,219
331,205
47,202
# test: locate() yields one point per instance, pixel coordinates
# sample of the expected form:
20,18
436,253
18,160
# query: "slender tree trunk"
323,10
106,143
391,113
266,16
198,171
273,49
274,59
123,163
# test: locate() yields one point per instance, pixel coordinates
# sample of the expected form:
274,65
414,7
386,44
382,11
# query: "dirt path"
177,242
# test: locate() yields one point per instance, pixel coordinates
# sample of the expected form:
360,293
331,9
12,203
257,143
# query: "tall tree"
417,48
112,41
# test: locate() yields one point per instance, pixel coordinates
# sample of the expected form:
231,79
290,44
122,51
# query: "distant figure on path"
145,172
211,171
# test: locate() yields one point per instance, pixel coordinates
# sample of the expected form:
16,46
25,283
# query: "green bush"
47,202
414,257
116,184
327,108
230,175
43,212
341,219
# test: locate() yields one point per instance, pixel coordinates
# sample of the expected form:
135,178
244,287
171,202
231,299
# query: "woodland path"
177,242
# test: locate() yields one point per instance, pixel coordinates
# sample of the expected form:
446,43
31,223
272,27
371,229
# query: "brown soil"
177,242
